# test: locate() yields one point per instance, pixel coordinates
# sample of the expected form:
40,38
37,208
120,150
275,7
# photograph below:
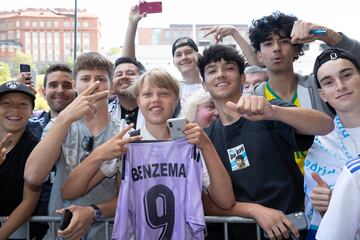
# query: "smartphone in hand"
298,219
150,7
66,219
25,68
176,127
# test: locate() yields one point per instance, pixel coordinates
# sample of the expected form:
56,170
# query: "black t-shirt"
130,116
267,174
12,173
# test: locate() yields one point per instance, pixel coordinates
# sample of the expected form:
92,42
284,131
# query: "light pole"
75,24
75,30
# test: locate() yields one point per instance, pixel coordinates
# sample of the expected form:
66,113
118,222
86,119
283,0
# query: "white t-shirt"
187,90
326,157
342,219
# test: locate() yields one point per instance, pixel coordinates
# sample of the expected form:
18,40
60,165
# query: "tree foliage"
19,58
4,72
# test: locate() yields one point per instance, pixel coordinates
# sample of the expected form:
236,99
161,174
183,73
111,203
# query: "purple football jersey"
160,194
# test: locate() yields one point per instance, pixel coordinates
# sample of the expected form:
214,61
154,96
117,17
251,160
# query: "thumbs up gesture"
320,195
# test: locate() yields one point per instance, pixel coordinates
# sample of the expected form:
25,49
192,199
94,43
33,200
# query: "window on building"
11,35
86,42
41,24
18,34
56,24
167,37
57,46
27,24
85,24
66,24
48,24
49,44
27,42
155,37
34,23
17,23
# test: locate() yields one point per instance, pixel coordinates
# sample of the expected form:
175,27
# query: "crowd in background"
269,142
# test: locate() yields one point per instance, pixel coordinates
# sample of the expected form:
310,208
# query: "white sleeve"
111,167
342,219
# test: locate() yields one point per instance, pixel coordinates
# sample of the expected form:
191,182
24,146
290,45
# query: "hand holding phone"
319,31
25,72
176,127
66,219
298,219
150,7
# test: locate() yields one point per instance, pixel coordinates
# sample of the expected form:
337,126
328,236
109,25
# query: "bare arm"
37,168
220,187
79,183
273,222
305,121
222,31
21,213
129,43
83,217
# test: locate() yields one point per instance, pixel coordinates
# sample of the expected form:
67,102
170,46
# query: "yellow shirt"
270,95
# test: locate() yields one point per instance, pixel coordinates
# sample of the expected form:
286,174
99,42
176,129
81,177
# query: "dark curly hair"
216,53
277,23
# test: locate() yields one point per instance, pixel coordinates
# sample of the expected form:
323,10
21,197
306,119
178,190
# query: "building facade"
47,34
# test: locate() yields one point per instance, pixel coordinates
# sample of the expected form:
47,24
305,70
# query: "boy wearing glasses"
79,128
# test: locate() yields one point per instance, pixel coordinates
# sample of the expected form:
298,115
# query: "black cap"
16,87
184,41
333,54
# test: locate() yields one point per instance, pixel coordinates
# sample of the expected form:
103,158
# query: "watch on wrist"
97,212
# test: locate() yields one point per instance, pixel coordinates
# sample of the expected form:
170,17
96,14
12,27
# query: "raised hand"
24,78
253,108
134,14
219,32
301,32
320,195
116,146
195,135
84,105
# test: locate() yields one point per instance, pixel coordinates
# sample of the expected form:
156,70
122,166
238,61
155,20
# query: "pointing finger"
90,90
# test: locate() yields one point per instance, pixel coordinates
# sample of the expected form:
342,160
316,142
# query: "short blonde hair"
189,110
158,77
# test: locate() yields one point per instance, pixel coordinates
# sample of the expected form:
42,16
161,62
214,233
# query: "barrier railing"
53,221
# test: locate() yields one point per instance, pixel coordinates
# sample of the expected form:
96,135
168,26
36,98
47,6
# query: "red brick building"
47,34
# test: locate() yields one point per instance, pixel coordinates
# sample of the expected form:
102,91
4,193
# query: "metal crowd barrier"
209,219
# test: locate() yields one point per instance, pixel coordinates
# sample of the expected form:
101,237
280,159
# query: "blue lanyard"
342,134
